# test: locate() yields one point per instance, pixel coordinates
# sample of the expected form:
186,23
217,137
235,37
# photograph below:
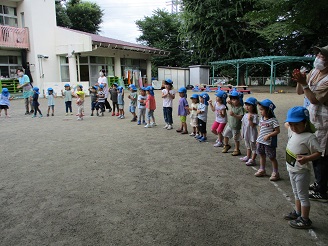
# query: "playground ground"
105,181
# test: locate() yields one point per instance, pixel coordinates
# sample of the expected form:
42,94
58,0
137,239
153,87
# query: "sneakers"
178,130
236,152
166,126
66,114
52,114
134,120
153,124
244,159
102,113
97,113
139,123
196,135
91,114
313,186
113,114
226,148
274,176
122,117
192,134
33,116
148,126
218,144
203,139
260,173
47,115
117,114
291,216
40,116
71,113
169,127
317,196
27,113
300,223
250,162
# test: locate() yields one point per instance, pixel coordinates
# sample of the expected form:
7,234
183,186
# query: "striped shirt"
101,99
267,127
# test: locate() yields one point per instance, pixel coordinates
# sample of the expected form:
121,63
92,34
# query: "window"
8,66
8,16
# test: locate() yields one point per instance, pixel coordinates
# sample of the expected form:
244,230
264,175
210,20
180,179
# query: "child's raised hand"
210,101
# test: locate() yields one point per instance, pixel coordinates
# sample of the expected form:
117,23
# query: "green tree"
82,15
161,30
291,26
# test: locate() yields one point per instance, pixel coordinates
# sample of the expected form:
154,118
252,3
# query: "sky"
120,16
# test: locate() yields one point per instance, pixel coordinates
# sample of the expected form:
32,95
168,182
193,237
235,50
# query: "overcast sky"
120,16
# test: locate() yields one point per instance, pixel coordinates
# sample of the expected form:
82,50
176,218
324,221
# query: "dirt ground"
105,181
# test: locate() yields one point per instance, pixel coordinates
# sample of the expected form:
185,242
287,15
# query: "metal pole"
237,74
271,77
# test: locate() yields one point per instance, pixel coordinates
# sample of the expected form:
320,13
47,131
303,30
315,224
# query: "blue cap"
134,88
182,90
169,81
297,114
251,101
67,85
36,89
101,86
268,104
194,96
221,94
115,84
95,87
234,93
5,90
50,89
81,86
206,97
144,88
120,88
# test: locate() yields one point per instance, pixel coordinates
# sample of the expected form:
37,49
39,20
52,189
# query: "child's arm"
210,103
251,120
223,112
272,134
302,159
165,94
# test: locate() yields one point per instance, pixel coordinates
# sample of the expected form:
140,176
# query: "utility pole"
174,5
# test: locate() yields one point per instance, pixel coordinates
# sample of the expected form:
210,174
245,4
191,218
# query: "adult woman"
315,87
102,80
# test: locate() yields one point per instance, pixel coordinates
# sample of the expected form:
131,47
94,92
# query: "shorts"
183,118
132,109
267,150
194,122
80,109
4,107
120,106
51,106
150,114
201,126
93,105
232,133
218,127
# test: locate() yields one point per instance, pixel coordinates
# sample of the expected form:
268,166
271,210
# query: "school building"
29,37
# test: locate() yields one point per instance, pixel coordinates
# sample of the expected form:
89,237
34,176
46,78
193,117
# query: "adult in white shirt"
102,80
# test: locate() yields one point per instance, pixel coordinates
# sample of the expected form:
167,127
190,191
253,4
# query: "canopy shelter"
272,61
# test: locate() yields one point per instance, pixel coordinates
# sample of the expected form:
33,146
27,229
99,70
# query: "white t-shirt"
167,101
249,133
104,81
203,108
218,117
300,144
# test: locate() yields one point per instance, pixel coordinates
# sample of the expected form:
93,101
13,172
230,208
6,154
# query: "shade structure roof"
272,61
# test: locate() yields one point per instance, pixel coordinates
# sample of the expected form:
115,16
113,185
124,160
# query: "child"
120,102
80,104
93,97
168,95
202,116
302,148
267,139
133,101
249,131
113,97
67,94
234,122
150,106
35,102
51,101
183,110
193,114
4,101
80,88
142,106
100,100
220,109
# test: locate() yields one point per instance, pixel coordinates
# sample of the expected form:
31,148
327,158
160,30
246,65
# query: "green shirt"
233,122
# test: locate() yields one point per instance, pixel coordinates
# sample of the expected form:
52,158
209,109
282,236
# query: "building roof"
101,41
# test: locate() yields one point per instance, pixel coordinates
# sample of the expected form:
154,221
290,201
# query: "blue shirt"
203,116
120,99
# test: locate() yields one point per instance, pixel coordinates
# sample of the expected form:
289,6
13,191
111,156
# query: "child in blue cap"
68,95
51,101
168,94
100,100
302,148
233,127
183,110
202,116
133,101
4,101
35,102
193,115
220,109
249,130
120,102
267,139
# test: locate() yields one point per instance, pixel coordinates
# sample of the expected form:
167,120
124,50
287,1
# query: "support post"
271,76
237,74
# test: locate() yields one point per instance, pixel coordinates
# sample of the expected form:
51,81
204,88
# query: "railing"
13,37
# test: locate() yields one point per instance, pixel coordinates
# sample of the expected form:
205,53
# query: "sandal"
236,152
226,148
179,130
